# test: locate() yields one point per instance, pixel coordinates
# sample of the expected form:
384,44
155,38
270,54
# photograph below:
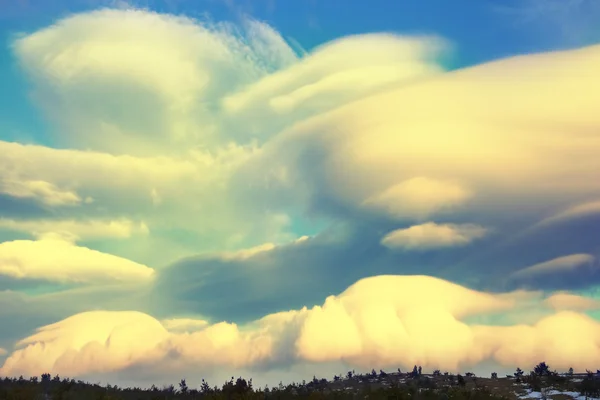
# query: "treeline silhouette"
413,386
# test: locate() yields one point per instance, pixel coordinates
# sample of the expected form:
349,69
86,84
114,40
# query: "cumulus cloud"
431,235
374,321
90,341
55,259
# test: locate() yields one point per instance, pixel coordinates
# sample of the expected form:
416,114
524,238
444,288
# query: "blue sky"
283,189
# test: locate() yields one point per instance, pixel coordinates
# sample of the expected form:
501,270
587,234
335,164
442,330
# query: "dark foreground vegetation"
401,386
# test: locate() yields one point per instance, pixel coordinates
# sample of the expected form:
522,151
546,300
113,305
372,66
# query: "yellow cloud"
55,259
431,235
184,324
86,229
418,197
91,341
169,72
45,192
486,133
380,321
567,301
337,73
248,253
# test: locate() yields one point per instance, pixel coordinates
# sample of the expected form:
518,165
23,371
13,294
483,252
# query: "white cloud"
431,235
374,322
55,259
566,263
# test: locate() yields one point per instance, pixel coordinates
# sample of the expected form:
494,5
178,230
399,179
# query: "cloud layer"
387,321
207,199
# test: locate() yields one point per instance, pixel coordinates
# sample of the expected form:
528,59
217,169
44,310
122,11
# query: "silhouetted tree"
183,387
518,375
415,371
205,387
589,373
541,369
460,380
570,373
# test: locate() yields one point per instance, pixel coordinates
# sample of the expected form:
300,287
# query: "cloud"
197,139
334,74
574,212
94,340
571,272
561,264
3,351
567,301
431,235
46,192
55,259
184,324
91,229
418,197
441,135
374,321
168,71
166,194
247,253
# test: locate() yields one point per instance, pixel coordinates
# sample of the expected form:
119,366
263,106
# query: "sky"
280,189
